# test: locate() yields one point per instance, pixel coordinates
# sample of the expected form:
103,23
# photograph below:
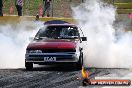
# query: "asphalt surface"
53,77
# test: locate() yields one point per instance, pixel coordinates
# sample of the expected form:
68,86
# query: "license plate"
49,59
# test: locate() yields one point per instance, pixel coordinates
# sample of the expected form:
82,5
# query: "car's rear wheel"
80,62
28,65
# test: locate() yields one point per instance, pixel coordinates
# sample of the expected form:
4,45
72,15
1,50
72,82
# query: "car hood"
53,44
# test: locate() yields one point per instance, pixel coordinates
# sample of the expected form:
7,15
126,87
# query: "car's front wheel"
29,66
80,62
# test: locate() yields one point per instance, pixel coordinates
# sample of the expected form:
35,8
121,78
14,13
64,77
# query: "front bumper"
64,57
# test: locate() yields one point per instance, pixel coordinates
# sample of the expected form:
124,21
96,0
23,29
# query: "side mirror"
84,38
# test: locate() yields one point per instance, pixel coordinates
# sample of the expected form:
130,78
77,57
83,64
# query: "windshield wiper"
37,38
68,37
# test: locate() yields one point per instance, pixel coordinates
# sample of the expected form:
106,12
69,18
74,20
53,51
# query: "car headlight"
34,51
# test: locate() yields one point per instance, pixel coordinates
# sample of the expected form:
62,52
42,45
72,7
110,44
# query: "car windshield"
63,32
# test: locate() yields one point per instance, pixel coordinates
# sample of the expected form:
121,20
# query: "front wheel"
29,66
80,62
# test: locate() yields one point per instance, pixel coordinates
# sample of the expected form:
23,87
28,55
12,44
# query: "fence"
30,7
59,8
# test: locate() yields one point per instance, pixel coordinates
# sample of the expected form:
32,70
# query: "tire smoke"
13,42
106,47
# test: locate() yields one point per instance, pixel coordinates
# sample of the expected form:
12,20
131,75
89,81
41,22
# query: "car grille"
58,50
55,50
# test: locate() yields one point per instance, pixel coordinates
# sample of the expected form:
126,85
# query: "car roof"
58,23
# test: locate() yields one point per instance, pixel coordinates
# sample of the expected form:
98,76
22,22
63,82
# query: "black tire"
80,62
29,66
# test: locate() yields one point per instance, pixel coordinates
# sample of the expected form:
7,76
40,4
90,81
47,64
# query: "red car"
57,42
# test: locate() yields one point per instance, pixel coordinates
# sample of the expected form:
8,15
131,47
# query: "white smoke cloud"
104,49
13,42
